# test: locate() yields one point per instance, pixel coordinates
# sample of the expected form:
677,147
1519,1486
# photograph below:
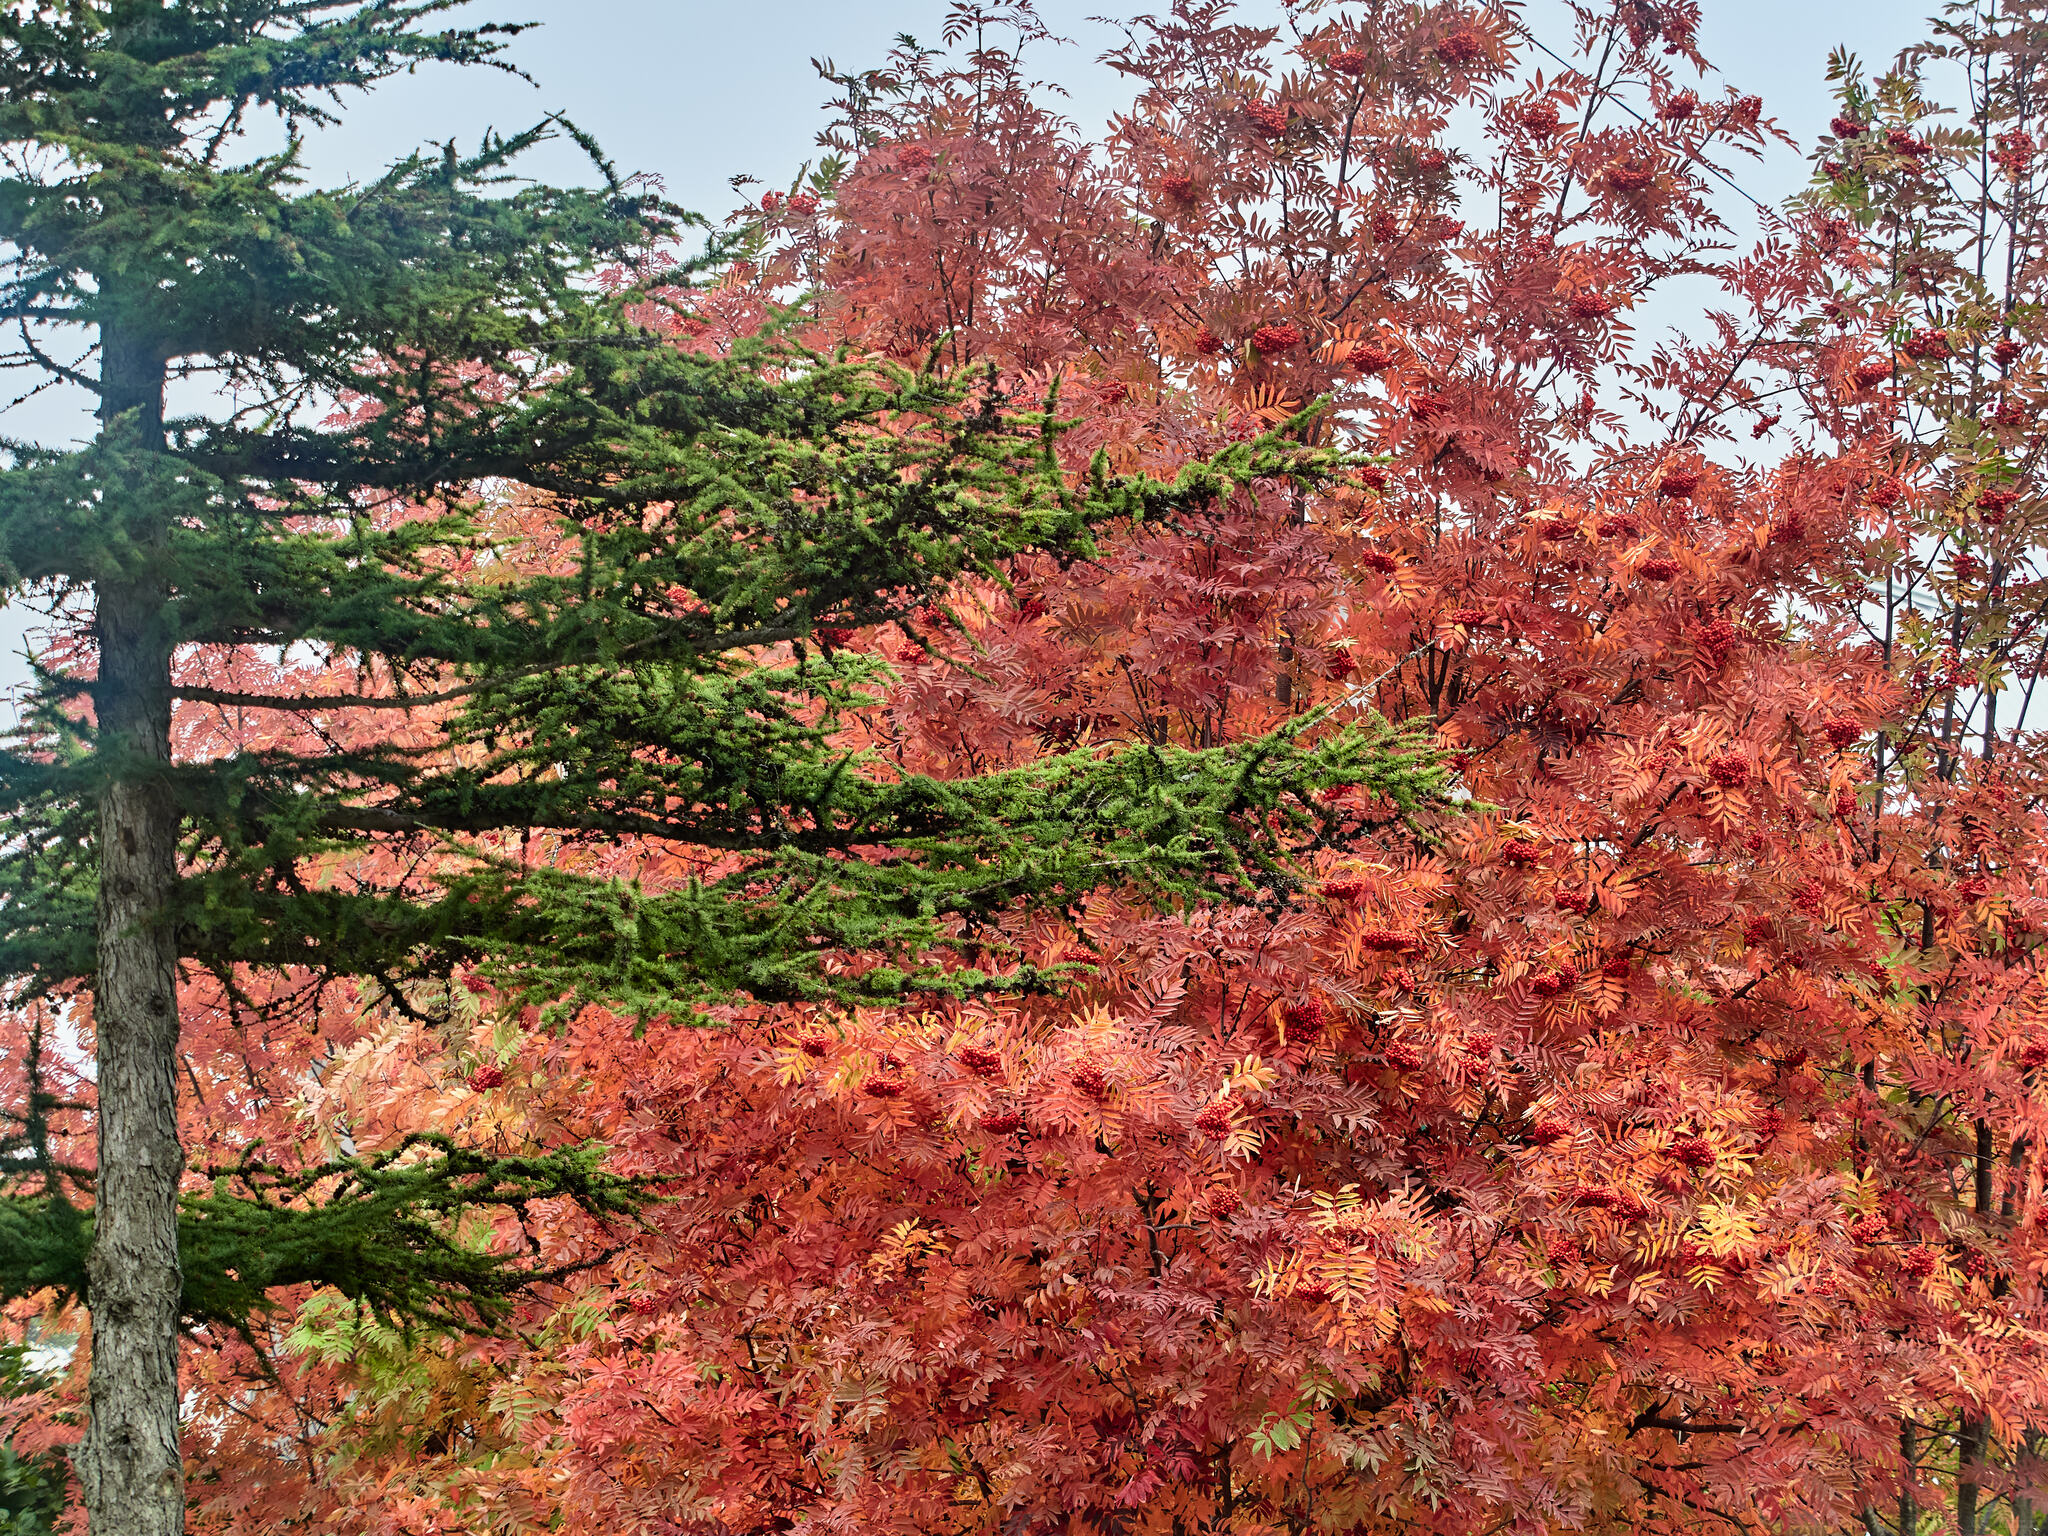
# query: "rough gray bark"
129,1463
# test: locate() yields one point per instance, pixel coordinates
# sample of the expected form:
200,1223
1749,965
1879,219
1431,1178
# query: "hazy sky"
698,92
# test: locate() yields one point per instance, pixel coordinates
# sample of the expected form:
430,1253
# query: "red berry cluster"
1846,128
1003,1123
1658,568
1555,982
1352,61
1344,888
1215,1121
1428,408
1678,482
1547,1132
1269,119
1370,357
1590,304
981,1061
1379,560
1208,343
1307,1013
1463,45
1923,345
1843,732
1728,772
1539,118
814,1045
1282,337
913,157
1631,173
1679,108
1386,941
1869,1229
1623,526
884,1087
1178,188
1886,493
1520,851
1693,1151
483,1079
1466,618
1091,1080
1871,372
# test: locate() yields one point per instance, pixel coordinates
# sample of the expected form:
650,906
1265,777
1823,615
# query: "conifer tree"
502,569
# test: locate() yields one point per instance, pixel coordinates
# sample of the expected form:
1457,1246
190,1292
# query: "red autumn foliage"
1072,1260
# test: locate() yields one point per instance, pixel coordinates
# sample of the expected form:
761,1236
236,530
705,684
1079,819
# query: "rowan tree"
470,632
1650,1144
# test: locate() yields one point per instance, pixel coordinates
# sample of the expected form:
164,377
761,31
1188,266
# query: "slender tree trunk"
1974,1442
1909,1469
129,1464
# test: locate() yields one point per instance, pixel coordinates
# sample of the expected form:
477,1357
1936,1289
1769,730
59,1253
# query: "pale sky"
697,92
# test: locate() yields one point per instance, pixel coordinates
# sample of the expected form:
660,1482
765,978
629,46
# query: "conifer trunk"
129,1463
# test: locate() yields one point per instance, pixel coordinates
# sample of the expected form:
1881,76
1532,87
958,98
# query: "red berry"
1351,61
1846,128
1678,482
2008,351
1539,118
1590,304
1756,929
1307,1013
770,201
1919,1261
1004,1123
1208,343
884,1087
1215,1121
476,985
1660,569
1843,732
1520,851
1886,493
1344,888
1597,1197
1386,940
803,205
2034,1054
1622,527
1464,45
1676,109
1872,372
835,637
1178,188
1466,618
1269,119
1091,1080
1399,1053
1370,357
1631,173
1427,408
1618,969
1222,1203
1927,344
1870,1229
980,1061
1693,1151
484,1079
1276,338
913,157
1379,560
1630,1206
1547,1132
1728,772
814,1045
